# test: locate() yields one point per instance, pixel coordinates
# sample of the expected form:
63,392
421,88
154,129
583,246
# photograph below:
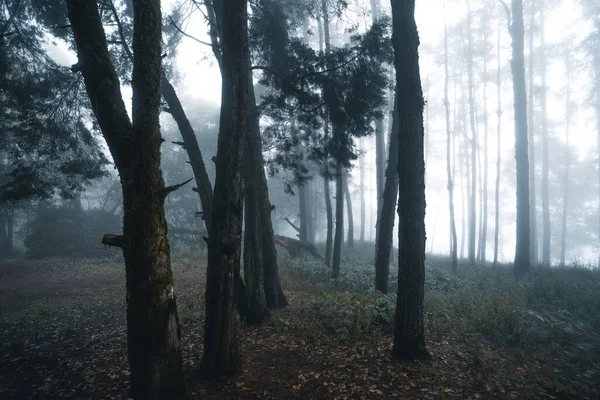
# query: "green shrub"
353,314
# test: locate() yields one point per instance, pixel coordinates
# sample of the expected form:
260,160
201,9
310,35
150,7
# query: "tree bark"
545,151
473,139
563,235
498,152
363,206
191,146
409,340
339,223
326,189
379,137
522,263
350,236
221,355
153,334
531,129
255,307
453,239
484,223
384,236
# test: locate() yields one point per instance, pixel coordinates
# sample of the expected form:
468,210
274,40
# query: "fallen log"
296,247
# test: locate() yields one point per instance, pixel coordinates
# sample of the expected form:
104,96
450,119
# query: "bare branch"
173,188
188,35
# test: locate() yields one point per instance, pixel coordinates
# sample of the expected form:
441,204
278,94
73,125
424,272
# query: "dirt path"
62,335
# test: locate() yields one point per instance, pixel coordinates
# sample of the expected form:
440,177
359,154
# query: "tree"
545,151
563,236
531,132
409,340
221,354
153,334
453,237
473,140
379,136
498,153
522,253
350,233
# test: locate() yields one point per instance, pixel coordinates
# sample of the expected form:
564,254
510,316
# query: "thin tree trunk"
563,236
522,253
191,146
498,152
384,238
339,223
409,339
363,206
531,128
153,334
545,151
484,224
221,354
473,197
326,189
453,241
379,137
348,198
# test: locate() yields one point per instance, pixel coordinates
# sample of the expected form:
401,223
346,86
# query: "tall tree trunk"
522,253
531,128
255,307
350,239
453,241
384,238
339,223
379,137
221,355
409,339
498,152
363,206
545,151
153,334
473,197
563,235
326,189
484,223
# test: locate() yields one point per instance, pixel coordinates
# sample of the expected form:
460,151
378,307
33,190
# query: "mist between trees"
407,177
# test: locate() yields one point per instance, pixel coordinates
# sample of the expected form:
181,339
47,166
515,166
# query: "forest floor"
62,335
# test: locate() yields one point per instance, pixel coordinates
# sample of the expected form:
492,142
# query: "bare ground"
62,335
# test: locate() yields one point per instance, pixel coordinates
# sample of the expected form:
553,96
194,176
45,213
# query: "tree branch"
173,188
188,35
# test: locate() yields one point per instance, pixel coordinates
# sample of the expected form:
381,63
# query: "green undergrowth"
551,305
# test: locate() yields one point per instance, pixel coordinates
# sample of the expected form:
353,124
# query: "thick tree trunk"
153,334
221,354
522,253
339,223
191,146
409,340
350,239
531,138
563,235
545,151
255,308
473,197
453,239
385,230
498,152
